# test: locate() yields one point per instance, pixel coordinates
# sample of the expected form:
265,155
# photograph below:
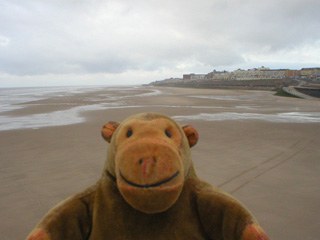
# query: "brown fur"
183,207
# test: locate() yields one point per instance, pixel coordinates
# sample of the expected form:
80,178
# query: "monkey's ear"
191,134
108,129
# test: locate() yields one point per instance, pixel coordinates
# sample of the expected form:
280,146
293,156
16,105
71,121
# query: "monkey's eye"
168,133
129,133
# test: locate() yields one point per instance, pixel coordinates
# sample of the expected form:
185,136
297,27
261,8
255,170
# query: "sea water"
15,99
240,107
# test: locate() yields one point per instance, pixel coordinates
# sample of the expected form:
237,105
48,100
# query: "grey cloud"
117,36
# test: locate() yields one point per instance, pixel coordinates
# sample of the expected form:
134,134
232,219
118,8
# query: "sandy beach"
262,149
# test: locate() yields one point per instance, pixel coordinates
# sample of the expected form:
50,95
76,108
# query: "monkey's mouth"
149,185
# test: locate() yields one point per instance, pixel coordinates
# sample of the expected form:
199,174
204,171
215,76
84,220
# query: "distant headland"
300,83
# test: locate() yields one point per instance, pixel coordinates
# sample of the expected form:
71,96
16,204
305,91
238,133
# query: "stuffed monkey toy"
149,190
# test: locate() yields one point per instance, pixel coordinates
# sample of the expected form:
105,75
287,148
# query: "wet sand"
273,167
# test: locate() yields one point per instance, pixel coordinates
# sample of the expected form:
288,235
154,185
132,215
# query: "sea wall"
314,92
261,84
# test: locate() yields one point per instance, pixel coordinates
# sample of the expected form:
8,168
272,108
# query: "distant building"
311,73
263,68
316,73
273,73
256,74
247,74
305,72
217,75
186,76
291,73
193,76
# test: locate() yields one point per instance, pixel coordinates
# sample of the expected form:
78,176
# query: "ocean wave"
286,117
56,118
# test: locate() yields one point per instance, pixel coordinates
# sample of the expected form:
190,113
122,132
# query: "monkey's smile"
149,185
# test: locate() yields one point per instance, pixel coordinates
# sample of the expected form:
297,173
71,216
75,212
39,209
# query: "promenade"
293,91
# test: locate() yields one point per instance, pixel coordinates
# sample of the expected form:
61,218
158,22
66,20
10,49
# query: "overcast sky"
97,42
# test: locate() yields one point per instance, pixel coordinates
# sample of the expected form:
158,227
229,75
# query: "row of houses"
257,73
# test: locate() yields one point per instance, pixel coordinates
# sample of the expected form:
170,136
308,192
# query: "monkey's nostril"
140,161
154,159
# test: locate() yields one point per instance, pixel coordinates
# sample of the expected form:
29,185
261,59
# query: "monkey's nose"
147,165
